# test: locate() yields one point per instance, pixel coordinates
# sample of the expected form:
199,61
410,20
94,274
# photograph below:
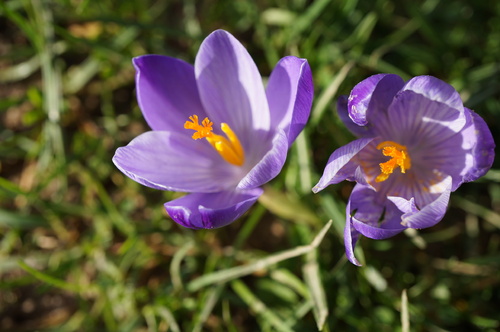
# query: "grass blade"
167,315
48,279
240,271
312,275
405,317
258,306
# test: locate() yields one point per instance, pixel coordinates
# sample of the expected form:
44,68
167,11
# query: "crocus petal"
407,206
342,164
374,232
289,94
428,123
483,150
211,210
379,89
367,208
357,130
366,205
170,161
436,90
166,92
432,213
269,164
231,87
351,236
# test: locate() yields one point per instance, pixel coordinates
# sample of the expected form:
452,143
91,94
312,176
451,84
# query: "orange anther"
229,148
399,157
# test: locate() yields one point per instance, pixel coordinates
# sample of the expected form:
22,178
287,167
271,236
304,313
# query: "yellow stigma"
399,157
229,148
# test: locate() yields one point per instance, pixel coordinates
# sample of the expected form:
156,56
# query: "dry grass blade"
312,276
240,271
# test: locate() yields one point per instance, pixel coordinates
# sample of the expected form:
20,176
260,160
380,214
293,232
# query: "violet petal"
351,236
357,130
231,87
367,210
378,89
483,150
165,161
432,213
269,165
167,92
342,164
444,95
211,210
436,90
290,93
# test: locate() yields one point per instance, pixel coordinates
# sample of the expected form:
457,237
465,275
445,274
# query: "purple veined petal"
231,87
368,207
440,94
415,120
351,236
289,93
378,90
436,90
435,149
357,130
268,165
167,92
483,148
432,213
376,233
211,210
342,164
407,206
171,161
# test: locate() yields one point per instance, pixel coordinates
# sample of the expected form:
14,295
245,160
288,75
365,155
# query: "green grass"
83,248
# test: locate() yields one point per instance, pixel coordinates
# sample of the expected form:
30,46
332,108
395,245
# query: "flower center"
399,157
229,148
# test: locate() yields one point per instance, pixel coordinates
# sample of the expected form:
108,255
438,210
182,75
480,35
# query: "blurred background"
84,248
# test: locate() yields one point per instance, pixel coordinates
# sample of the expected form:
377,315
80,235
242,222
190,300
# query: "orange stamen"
203,130
399,157
229,148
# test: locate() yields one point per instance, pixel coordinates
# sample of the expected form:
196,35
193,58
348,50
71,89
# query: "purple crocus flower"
417,143
217,133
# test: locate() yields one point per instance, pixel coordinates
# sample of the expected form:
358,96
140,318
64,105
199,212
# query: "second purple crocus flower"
417,143
217,133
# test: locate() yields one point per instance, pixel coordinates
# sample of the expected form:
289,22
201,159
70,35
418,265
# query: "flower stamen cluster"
399,157
229,148
203,130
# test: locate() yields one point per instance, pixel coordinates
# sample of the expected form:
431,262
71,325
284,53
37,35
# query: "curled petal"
351,236
289,93
230,86
375,92
359,131
166,92
342,164
374,232
169,161
372,215
211,210
406,206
